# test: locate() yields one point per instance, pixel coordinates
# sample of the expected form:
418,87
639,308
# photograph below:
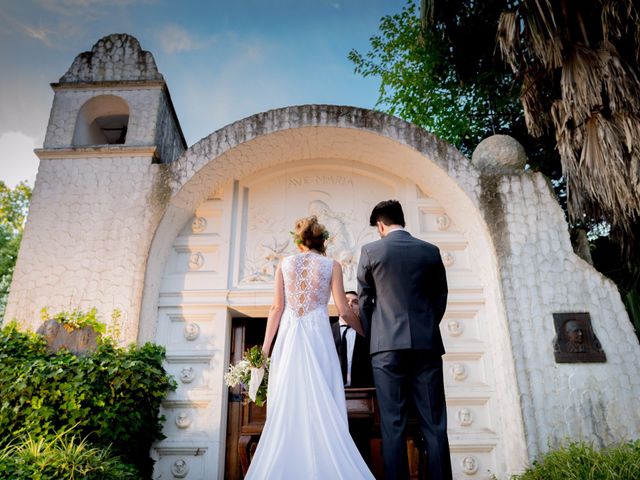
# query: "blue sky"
223,60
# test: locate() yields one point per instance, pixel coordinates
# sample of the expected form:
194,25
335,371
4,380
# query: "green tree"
14,205
442,71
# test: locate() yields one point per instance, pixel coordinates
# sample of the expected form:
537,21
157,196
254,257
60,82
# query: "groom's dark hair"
388,212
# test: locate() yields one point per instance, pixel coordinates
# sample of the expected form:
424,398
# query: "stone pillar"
541,275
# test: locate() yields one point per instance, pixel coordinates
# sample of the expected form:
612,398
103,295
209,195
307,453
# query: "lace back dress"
306,435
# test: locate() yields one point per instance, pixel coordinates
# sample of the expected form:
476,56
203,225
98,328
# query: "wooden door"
245,333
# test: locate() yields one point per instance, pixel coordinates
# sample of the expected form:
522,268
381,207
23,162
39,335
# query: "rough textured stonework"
86,239
541,276
144,106
116,57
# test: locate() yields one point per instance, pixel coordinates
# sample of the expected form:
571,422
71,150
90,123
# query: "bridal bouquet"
252,374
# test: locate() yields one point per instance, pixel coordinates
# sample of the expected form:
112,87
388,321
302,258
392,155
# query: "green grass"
580,461
62,457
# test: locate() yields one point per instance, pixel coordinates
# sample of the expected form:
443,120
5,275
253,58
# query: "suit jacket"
402,290
361,370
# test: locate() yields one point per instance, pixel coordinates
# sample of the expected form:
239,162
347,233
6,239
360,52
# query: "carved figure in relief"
455,328
183,420
465,418
187,375
443,221
340,245
470,465
180,469
459,371
198,225
448,259
191,331
575,337
575,340
196,261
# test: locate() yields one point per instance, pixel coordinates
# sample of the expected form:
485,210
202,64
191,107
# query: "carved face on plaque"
469,465
575,340
464,417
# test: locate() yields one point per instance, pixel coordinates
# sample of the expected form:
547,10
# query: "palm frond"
580,82
508,37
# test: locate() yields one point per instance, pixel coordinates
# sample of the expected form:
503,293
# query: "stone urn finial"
499,154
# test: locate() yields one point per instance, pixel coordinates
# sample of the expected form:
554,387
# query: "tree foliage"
14,205
578,64
445,74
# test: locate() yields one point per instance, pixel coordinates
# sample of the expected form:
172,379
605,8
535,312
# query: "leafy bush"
76,319
580,461
63,456
112,395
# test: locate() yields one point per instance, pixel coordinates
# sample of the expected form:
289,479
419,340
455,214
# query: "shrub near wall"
580,461
111,396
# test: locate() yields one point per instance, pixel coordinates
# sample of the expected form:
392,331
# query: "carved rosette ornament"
196,261
180,469
455,328
459,372
470,465
187,374
183,420
198,225
448,259
465,417
443,221
191,331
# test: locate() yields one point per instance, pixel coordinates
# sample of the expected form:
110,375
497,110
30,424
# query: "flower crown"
298,241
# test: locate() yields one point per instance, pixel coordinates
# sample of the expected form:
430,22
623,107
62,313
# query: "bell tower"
113,98
112,133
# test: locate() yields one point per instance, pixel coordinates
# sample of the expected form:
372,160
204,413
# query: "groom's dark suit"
402,289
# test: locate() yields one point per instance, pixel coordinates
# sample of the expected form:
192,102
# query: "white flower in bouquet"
237,374
252,374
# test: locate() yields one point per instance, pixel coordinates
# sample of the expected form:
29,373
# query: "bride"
306,434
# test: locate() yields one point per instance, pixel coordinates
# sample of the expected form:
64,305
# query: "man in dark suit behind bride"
402,287
353,349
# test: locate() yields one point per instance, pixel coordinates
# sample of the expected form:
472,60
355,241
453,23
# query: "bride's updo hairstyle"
311,234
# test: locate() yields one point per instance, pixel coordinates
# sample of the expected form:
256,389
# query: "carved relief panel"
340,197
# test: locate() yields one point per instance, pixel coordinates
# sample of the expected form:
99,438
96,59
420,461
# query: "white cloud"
17,160
174,39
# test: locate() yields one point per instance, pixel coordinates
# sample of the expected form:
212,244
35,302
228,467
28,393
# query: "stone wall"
86,240
540,276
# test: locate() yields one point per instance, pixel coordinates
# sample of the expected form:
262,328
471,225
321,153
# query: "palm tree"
578,61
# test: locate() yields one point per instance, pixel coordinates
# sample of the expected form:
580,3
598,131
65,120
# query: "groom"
402,287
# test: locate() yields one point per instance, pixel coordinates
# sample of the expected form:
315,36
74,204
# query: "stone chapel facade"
185,239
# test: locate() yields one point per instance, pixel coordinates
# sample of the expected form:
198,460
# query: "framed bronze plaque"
575,341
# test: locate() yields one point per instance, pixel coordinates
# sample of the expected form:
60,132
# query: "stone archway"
197,272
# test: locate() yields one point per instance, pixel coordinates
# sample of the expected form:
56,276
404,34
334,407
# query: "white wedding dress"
306,435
